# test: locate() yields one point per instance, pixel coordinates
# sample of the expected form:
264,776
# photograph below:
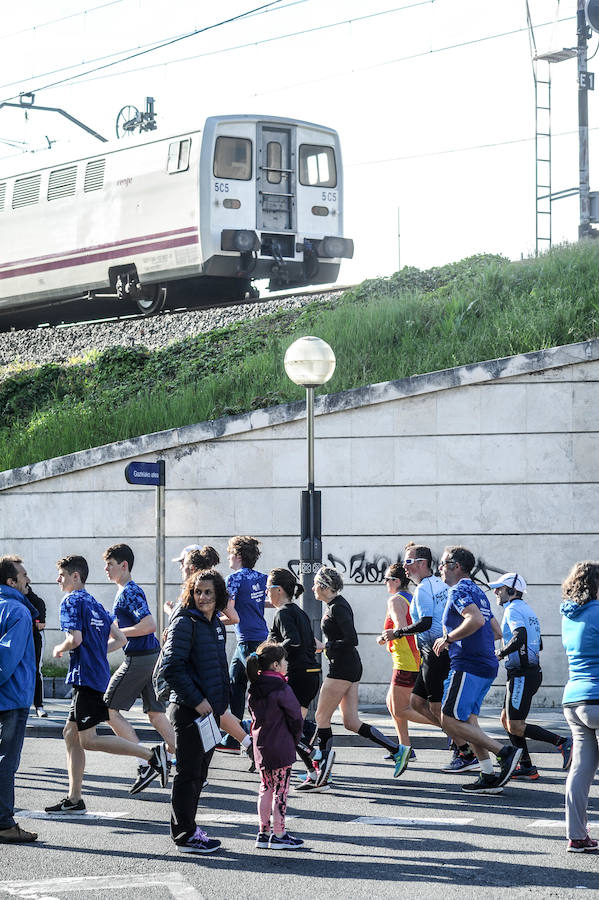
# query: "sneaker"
262,840
325,768
462,762
159,762
565,748
531,772
585,845
66,806
484,784
391,756
285,842
199,842
305,776
41,712
18,835
508,758
228,748
309,785
402,758
145,774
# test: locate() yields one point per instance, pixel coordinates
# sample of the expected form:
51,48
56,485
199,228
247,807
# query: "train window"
94,175
233,158
2,194
317,166
178,156
27,191
62,183
274,160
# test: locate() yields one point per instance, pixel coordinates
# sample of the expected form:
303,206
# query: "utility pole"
582,32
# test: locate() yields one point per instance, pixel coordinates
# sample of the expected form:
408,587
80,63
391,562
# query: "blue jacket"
580,637
17,654
194,661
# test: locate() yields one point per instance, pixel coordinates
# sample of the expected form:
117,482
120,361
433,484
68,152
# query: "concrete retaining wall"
499,456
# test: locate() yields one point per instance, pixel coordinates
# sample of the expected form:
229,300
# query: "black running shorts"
87,708
520,688
431,677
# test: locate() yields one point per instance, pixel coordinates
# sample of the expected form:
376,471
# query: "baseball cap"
185,551
511,580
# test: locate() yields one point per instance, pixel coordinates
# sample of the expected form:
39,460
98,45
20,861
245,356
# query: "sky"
433,101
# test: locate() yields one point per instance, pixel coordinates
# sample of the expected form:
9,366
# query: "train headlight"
335,247
239,240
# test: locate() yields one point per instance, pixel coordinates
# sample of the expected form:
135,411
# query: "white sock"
486,766
246,742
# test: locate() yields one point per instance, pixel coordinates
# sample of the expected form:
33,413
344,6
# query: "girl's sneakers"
285,842
262,840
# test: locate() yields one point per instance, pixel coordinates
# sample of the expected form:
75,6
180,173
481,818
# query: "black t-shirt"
338,627
291,628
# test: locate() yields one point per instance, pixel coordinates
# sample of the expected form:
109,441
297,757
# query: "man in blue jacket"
17,681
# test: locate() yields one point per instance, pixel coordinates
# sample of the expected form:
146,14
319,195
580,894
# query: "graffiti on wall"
364,569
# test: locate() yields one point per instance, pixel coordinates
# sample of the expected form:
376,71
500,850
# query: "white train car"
247,197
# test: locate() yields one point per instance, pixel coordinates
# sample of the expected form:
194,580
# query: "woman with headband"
340,687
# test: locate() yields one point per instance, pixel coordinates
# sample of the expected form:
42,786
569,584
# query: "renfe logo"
151,473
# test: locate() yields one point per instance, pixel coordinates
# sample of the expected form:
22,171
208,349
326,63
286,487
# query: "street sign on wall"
145,473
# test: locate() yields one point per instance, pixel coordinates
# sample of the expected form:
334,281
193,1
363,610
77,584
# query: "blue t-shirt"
88,664
248,589
475,653
429,599
130,607
518,614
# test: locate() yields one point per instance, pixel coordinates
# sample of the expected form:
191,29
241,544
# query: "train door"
275,179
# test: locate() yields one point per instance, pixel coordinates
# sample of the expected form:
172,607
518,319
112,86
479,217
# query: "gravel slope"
60,344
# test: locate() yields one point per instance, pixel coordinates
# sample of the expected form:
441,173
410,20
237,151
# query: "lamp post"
310,362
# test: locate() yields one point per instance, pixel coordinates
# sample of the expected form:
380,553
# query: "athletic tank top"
404,650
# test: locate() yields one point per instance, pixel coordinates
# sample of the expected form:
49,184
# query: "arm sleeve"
292,712
343,618
290,636
518,640
415,627
16,632
175,661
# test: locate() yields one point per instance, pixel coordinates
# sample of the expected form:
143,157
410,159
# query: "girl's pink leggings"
272,798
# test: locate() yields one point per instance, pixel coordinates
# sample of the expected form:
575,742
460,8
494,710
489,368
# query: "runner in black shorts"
340,687
292,629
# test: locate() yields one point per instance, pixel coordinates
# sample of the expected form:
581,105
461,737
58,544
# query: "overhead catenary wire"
158,45
166,43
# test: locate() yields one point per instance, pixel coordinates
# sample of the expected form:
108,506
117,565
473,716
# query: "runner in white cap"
521,648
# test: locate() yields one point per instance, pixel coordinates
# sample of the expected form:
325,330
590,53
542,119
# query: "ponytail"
264,657
285,579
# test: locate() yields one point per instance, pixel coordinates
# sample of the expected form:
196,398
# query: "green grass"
413,322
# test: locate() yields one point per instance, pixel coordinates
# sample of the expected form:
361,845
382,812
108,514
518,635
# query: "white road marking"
374,820
173,882
233,818
67,817
556,823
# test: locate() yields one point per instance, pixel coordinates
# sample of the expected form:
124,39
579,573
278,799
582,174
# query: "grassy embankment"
413,322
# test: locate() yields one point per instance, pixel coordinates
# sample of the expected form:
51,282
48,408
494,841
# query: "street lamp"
310,362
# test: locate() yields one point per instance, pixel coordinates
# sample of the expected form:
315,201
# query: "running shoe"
228,748
530,772
585,845
508,758
402,758
41,712
305,776
484,784
145,774
565,748
392,756
159,761
462,762
324,770
199,842
262,840
66,806
285,842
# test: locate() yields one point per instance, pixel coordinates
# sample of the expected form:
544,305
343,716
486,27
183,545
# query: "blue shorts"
463,694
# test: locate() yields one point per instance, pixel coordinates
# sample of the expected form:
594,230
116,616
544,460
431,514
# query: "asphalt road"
370,836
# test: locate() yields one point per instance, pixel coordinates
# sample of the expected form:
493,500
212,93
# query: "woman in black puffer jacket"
195,667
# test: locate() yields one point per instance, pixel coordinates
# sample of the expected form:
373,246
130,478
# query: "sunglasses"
410,562
447,564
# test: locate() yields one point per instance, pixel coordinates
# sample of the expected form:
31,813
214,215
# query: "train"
243,198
